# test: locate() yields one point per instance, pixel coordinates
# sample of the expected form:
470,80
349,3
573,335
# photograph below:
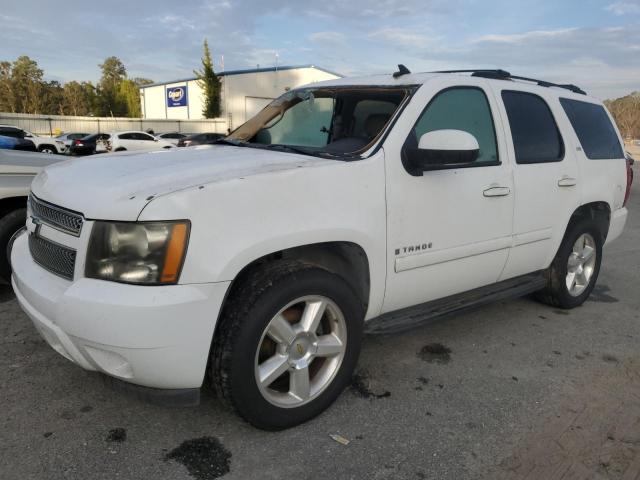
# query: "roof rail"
499,74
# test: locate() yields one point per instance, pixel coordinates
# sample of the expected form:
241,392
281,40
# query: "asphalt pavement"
511,390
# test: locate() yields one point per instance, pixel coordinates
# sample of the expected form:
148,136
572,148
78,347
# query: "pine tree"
210,84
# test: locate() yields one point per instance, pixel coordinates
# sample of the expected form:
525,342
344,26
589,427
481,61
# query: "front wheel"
574,271
10,224
287,344
48,149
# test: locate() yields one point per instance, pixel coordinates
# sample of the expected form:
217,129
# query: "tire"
120,149
557,292
9,225
48,149
238,346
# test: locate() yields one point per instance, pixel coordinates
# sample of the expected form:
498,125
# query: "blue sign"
177,96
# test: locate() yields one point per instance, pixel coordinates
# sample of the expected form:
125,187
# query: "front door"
448,230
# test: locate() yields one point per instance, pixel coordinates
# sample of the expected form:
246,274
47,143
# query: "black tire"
556,292
49,149
120,149
248,311
9,225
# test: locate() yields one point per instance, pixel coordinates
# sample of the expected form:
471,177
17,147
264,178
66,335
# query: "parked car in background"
200,139
131,140
12,143
68,138
43,144
17,170
87,145
172,137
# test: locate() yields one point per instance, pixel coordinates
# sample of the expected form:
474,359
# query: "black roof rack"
504,75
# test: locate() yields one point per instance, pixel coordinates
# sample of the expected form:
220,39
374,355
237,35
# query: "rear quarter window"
594,129
536,137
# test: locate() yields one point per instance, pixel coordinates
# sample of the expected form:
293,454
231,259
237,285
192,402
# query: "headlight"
149,253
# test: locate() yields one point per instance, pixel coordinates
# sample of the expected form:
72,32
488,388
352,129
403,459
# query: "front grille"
51,256
57,217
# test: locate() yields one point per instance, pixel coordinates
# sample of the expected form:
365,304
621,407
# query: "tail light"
629,182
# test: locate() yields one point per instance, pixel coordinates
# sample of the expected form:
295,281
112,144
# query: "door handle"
567,182
496,191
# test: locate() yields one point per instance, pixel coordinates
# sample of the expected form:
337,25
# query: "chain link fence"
53,125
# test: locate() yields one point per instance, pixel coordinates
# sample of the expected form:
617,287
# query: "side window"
12,132
591,123
461,108
536,138
143,136
126,136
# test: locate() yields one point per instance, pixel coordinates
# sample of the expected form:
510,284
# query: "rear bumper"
157,336
617,223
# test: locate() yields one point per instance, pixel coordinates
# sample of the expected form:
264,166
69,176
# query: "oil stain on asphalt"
205,458
363,387
117,435
435,353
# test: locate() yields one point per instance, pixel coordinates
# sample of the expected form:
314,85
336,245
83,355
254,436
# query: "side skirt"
410,317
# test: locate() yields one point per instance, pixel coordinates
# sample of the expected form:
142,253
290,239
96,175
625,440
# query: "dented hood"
118,186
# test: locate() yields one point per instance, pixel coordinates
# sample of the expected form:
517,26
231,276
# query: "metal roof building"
243,92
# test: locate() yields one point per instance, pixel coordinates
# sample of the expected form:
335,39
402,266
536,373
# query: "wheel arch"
599,212
346,259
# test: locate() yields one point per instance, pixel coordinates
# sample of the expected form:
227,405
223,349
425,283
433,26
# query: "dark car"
87,145
12,143
200,139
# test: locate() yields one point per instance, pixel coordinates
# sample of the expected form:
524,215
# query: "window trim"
611,122
403,155
563,154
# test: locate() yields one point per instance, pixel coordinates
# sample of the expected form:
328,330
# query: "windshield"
329,120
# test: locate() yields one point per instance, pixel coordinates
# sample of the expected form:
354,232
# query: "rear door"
545,176
145,141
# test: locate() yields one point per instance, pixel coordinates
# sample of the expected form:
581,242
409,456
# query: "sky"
591,43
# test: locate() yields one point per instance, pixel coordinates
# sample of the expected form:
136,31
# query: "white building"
243,93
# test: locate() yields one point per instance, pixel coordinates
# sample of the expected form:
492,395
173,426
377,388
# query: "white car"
131,140
172,137
43,144
355,204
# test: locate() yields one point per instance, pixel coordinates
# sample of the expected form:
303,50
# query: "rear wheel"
287,344
574,271
120,149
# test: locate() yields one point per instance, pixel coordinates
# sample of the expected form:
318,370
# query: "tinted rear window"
594,129
536,138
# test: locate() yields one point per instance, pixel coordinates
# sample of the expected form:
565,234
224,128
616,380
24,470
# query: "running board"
407,318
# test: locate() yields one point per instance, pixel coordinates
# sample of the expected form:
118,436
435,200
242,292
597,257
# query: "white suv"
350,205
131,140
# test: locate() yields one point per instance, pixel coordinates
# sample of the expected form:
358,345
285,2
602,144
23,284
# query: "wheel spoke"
313,312
581,279
329,346
571,280
587,253
271,369
299,383
281,331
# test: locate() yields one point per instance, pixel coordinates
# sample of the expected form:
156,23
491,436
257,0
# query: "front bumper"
154,336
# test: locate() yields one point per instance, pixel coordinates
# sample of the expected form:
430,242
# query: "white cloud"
400,37
624,7
327,37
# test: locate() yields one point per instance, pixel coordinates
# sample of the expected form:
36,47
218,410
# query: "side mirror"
444,149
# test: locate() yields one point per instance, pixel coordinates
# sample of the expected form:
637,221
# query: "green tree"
109,102
129,96
7,99
27,85
210,84
78,98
